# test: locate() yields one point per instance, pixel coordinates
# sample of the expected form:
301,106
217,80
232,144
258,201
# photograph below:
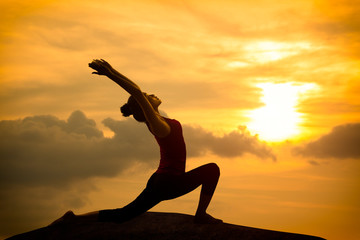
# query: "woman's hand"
101,67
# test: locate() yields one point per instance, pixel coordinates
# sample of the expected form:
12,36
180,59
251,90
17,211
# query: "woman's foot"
68,216
206,219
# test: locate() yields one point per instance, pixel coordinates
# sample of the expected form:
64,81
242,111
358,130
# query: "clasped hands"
101,67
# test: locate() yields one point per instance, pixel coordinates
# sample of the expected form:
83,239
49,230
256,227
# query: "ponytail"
126,110
133,108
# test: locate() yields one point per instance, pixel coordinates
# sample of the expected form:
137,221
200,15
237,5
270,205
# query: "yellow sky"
245,71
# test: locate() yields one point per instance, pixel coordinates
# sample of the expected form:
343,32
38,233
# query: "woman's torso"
172,150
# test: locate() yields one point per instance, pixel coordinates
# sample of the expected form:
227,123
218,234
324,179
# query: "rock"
156,226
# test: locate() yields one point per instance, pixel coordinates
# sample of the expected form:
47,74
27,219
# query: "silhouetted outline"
158,226
170,179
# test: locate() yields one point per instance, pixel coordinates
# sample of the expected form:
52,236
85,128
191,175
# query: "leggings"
163,186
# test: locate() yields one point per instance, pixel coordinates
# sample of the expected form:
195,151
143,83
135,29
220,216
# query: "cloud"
323,105
52,162
27,208
233,144
337,22
44,150
49,160
213,95
342,142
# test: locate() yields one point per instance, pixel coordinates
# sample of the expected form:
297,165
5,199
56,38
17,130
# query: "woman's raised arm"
102,67
157,124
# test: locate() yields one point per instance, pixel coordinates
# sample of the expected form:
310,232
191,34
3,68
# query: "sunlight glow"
278,120
268,51
237,64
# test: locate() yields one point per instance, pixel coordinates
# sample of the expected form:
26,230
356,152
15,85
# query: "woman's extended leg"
162,188
144,202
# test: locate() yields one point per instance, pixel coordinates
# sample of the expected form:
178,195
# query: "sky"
267,91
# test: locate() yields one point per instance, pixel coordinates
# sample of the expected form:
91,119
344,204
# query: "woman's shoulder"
175,129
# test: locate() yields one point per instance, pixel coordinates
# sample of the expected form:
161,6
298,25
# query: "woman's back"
172,150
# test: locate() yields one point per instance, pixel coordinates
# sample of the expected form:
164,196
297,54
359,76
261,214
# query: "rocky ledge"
159,226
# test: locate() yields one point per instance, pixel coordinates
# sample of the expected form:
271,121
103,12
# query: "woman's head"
133,108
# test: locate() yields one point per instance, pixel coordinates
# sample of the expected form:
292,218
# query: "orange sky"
275,86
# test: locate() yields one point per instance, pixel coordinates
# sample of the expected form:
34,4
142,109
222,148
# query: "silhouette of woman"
170,180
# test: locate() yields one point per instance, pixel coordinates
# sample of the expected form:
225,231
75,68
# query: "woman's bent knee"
211,178
214,169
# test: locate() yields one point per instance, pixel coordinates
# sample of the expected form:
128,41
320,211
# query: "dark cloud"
233,144
44,150
341,142
29,207
52,162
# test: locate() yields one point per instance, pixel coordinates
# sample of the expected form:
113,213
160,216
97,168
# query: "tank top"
172,150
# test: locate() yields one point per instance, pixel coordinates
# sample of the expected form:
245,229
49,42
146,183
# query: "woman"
170,180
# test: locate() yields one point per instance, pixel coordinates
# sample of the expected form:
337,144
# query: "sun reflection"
278,120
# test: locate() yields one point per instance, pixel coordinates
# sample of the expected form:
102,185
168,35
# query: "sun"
278,119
